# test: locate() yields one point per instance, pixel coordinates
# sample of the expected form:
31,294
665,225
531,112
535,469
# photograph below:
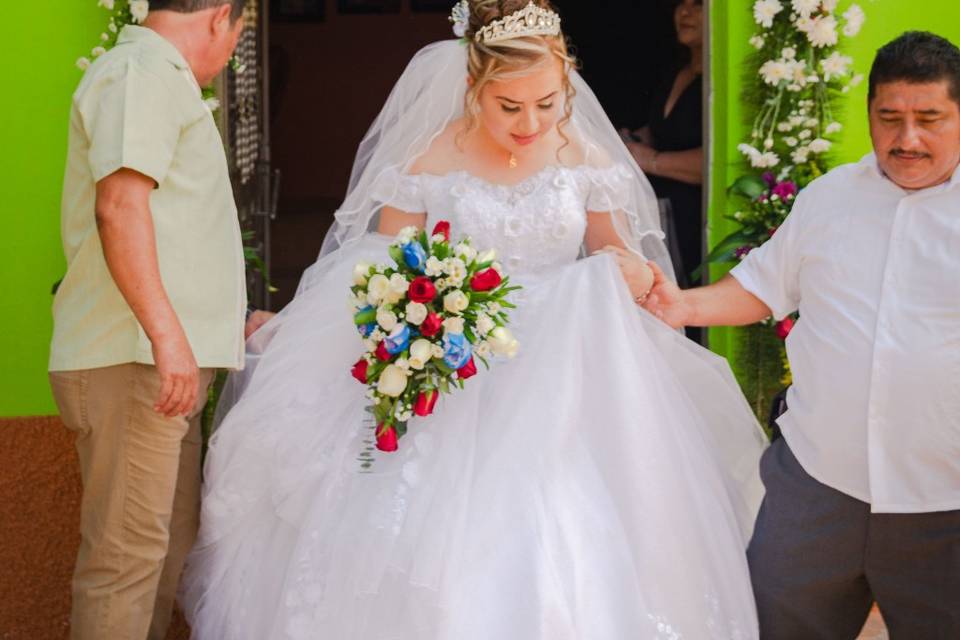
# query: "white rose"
386,319
83,64
139,10
485,324
360,274
397,289
417,364
416,313
455,301
502,342
377,289
453,325
422,350
487,256
377,336
434,267
392,382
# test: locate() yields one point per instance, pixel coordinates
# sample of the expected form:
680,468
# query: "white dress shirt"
874,410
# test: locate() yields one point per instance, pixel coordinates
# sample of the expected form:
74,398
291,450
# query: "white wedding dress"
600,486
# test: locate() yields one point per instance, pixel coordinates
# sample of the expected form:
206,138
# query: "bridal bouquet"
425,322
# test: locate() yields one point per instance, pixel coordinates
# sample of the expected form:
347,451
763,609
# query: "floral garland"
800,73
122,13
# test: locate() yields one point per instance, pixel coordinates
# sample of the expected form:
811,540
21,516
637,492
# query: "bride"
601,485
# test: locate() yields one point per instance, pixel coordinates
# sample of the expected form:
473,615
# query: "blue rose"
366,329
456,350
398,340
414,256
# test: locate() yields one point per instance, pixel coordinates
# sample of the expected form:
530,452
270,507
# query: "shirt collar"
872,168
134,33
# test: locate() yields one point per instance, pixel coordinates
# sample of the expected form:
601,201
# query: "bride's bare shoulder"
444,154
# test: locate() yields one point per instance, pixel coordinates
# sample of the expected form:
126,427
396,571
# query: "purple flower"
769,178
742,252
785,189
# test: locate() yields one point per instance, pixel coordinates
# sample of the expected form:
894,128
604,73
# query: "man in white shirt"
863,490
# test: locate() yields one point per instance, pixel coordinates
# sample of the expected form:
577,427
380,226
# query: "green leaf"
749,186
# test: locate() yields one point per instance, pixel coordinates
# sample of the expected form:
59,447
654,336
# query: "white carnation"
455,268
764,11
823,32
139,10
773,71
790,141
406,235
829,5
805,7
788,53
434,267
465,251
757,42
835,65
855,18
106,4
485,324
833,127
800,155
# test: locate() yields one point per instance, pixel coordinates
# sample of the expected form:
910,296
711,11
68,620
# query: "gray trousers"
819,559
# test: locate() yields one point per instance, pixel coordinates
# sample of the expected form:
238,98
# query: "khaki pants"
141,497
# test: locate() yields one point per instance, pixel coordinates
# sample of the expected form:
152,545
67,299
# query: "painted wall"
731,27
39,42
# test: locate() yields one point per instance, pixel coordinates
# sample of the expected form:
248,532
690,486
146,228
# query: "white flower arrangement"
800,69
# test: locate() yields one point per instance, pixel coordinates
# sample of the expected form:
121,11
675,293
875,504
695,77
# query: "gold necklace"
513,161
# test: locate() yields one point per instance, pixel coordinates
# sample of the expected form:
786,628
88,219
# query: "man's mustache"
902,153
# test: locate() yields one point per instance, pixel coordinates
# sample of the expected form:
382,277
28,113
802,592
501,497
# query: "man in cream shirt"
152,303
863,490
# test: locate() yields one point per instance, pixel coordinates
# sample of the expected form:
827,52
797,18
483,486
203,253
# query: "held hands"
179,376
667,301
638,275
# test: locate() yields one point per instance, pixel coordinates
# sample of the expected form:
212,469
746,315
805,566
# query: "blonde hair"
511,58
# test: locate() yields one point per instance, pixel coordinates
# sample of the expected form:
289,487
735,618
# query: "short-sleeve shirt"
139,107
874,410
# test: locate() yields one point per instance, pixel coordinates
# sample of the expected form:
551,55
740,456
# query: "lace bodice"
535,224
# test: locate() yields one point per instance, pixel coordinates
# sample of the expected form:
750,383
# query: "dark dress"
681,130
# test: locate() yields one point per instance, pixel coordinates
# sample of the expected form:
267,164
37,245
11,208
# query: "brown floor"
39,516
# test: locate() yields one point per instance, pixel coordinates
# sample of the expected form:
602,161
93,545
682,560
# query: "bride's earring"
513,161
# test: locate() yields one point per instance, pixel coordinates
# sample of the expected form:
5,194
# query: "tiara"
529,21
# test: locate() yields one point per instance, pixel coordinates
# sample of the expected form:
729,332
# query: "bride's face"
519,112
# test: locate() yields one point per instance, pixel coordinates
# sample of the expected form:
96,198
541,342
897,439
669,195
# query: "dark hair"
189,6
917,57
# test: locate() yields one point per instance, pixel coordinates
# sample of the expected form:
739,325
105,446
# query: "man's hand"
256,320
179,376
667,301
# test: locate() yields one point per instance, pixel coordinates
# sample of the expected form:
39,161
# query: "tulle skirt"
601,485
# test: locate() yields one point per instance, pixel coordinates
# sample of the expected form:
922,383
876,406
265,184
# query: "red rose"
382,354
784,327
425,403
432,325
468,370
422,290
443,227
486,280
359,371
386,438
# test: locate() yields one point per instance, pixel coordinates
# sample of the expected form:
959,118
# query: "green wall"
731,27
39,43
